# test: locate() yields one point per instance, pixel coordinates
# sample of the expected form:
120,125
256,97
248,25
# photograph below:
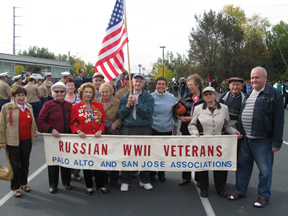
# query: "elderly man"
136,114
261,122
97,80
233,99
5,90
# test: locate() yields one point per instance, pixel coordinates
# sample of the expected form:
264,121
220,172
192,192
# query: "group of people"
256,118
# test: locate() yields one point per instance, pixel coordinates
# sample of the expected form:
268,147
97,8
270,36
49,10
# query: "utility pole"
14,24
140,68
163,47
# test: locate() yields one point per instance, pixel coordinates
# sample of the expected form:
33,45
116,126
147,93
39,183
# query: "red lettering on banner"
202,152
104,149
138,149
219,150
187,151
211,151
67,146
180,150
166,150
173,150
195,151
83,145
127,150
75,148
61,146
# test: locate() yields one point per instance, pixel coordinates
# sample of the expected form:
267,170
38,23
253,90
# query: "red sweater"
25,122
81,120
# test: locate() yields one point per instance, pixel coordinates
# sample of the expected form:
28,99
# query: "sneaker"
147,186
124,187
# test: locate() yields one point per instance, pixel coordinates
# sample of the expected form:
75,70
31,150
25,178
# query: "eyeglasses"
62,91
208,93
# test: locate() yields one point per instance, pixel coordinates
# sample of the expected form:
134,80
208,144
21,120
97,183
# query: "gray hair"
260,68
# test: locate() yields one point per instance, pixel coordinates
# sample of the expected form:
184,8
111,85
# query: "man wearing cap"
43,91
261,122
48,83
81,78
64,74
33,95
136,112
233,99
16,79
5,90
97,80
120,83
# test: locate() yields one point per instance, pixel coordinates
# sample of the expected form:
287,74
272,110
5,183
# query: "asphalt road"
165,199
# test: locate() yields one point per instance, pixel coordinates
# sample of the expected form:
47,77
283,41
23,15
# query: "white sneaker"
147,186
124,187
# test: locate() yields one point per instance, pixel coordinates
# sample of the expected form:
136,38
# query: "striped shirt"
247,114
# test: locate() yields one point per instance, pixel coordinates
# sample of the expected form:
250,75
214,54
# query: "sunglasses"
208,93
62,91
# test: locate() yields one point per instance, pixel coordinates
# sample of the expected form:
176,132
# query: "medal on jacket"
28,115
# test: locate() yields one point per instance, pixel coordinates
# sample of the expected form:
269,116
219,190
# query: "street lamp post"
139,68
143,69
163,47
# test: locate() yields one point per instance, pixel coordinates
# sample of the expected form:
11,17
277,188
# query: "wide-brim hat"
59,85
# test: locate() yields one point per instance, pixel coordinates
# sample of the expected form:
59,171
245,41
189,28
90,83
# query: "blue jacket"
144,110
268,116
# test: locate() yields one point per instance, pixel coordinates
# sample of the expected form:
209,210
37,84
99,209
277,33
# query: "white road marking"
205,201
285,142
10,194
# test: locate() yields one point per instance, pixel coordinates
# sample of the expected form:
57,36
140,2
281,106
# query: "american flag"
111,57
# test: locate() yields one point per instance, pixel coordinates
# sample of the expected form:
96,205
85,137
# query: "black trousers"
53,175
157,133
144,175
219,179
19,157
99,178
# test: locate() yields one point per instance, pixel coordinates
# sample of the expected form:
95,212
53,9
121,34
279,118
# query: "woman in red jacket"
88,117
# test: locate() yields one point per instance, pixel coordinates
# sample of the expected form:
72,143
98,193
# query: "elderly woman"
17,134
88,117
189,101
211,117
113,122
55,118
74,99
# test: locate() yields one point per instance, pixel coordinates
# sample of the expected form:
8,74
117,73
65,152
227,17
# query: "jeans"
260,151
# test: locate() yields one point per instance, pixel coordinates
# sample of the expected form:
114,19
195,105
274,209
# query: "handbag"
6,173
179,109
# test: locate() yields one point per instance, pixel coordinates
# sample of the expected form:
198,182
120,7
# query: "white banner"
158,153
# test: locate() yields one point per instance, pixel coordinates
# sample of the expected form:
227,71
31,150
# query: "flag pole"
128,56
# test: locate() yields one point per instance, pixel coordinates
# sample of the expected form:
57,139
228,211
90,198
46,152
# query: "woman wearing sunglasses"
213,117
55,118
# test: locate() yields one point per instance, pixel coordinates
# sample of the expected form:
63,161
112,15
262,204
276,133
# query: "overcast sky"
79,26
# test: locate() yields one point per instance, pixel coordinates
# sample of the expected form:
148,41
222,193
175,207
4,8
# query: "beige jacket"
5,90
112,111
9,134
33,93
212,124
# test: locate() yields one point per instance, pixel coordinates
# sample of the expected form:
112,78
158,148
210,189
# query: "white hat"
33,77
65,73
5,74
16,77
40,78
60,85
47,74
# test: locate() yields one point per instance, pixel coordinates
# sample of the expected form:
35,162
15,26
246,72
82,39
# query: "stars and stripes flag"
111,57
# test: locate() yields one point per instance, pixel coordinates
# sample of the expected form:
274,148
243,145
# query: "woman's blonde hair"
103,85
82,88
